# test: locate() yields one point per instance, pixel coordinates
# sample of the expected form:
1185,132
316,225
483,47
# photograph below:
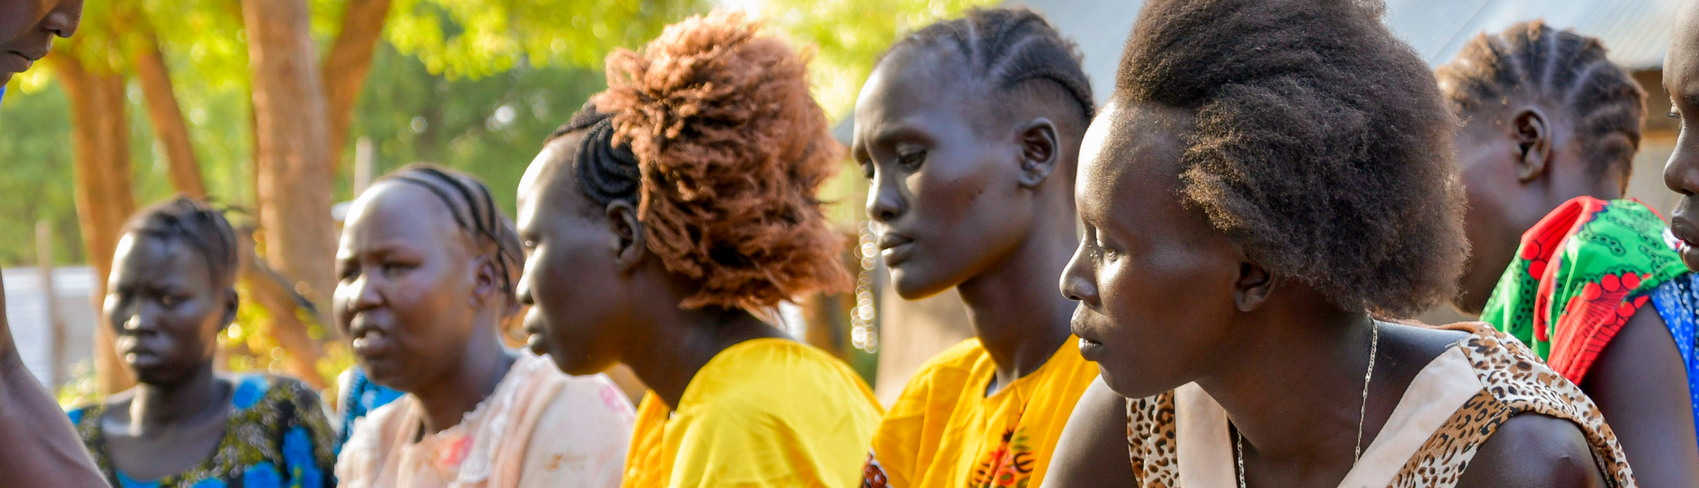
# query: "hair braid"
710,130
1534,63
475,212
1008,48
198,224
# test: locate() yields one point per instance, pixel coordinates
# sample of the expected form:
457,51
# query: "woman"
1267,180
978,197
1681,69
171,293
675,204
1561,259
427,264
43,449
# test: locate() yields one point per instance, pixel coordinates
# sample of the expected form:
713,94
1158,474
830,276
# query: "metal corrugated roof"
1635,31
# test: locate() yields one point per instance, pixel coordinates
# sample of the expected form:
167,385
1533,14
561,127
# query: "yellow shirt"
762,413
944,432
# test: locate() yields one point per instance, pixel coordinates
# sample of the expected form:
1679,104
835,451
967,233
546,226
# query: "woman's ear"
1040,150
486,282
1533,143
1253,286
630,243
232,301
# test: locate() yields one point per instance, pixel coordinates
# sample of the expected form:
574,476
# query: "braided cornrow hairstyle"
198,224
475,212
1008,47
711,132
607,172
1531,62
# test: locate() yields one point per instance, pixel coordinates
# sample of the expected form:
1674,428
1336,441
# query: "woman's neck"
1294,386
683,341
159,407
447,401
1016,310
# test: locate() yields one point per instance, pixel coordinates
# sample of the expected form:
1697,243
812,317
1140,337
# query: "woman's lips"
1683,237
1091,350
371,343
895,248
534,342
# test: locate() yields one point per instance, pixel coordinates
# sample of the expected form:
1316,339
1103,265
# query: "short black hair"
1532,62
468,200
1320,143
1008,47
196,223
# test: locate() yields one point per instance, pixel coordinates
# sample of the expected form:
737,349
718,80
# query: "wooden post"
44,264
363,165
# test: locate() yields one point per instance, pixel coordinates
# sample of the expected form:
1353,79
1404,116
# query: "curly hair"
1535,63
198,224
1008,48
1320,143
711,132
476,213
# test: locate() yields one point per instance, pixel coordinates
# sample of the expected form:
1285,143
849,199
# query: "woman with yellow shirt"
968,132
675,204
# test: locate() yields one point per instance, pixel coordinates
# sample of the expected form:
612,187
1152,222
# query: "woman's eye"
1674,114
867,170
529,244
170,300
912,159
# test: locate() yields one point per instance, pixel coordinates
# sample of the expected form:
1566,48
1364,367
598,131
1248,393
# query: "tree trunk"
270,290
101,139
345,69
166,116
292,151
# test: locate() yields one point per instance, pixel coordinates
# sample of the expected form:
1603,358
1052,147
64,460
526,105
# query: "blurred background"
284,109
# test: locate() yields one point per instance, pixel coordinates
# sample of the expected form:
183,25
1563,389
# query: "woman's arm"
40,448
1092,452
1640,384
1534,451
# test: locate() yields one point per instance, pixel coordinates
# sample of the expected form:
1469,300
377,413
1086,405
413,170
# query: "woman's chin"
914,283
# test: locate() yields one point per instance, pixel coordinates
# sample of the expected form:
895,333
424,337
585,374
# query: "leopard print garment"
1513,382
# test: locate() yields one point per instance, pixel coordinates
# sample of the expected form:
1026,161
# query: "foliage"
471,84
849,36
475,38
491,127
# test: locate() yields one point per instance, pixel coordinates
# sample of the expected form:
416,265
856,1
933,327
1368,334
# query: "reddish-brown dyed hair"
730,150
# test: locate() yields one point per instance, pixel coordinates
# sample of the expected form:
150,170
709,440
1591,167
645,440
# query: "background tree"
218,98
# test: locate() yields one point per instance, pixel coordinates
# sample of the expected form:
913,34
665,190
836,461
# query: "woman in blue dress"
170,294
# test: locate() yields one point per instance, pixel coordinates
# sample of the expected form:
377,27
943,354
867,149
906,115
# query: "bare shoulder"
1092,452
1532,450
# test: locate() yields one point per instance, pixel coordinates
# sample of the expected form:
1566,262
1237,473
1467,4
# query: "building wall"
26,312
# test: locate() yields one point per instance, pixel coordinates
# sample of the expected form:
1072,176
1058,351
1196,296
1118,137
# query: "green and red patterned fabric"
1578,277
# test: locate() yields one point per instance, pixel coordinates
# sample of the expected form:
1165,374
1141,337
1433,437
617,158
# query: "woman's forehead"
396,210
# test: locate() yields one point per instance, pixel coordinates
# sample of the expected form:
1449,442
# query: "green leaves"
849,36
476,38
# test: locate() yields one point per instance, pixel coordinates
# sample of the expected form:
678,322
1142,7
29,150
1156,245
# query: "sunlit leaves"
849,36
474,38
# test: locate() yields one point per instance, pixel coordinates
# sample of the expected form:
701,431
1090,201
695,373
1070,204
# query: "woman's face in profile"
1154,280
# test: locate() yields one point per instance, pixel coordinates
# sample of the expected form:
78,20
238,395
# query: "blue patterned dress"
277,437
1677,302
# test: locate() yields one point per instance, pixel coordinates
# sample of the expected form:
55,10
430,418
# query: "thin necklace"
1362,411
